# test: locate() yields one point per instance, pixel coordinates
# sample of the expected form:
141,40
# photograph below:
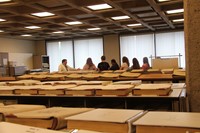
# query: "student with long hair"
89,65
125,63
135,65
114,66
145,65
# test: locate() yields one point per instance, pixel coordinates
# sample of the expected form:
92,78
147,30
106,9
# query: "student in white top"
89,65
63,67
125,64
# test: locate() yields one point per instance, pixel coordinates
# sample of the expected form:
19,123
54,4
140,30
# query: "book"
16,108
23,82
130,82
168,122
6,90
104,120
51,118
6,127
130,75
30,90
117,90
88,90
152,89
54,90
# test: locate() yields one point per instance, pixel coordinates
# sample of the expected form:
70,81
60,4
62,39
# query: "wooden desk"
7,79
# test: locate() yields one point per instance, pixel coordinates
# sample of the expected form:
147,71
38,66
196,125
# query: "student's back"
103,66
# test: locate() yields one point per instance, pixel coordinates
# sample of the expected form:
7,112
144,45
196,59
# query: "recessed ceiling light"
99,7
26,35
93,28
120,17
73,23
2,20
132,25
58,32
1,31
43,14
4,1
32,27
178,20
163,0
175,11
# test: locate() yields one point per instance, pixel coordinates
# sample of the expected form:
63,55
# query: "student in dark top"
136,64
103,65
114,66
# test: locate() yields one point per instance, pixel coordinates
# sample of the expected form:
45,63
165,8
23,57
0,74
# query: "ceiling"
151,14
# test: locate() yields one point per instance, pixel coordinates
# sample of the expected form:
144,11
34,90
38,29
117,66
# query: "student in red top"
145,65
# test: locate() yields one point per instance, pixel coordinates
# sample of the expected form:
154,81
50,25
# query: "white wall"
19,50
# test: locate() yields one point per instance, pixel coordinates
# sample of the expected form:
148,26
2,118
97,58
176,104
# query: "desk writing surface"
6,127
7,78
170,119
51,112
155,76
153,86
106,115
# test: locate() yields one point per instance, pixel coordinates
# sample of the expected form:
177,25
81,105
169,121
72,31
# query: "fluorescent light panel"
26,35
133,25
99,7
163,0
93,28
58,32
2,20
120,17
1,1
178,20
43,14
73,23
32,27
175,11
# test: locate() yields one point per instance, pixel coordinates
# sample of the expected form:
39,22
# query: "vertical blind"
137,46
58,51
83,48
166,44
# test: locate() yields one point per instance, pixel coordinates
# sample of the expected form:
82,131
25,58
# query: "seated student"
114,66
103,65
89,65
145,65
125,64
63,67
135,65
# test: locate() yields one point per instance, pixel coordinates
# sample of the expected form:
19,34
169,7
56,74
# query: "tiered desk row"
35,118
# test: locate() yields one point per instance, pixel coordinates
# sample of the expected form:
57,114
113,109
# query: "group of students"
103,65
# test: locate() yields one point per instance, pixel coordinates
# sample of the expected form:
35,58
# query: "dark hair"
89,62
125,60
113,61
64,60
136,64
146,61
103,57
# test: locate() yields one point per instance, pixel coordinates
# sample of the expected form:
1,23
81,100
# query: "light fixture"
133,25
43,14
93,29
120,17
26,35
73,23
1,31
178,20
175,11
99,7
32,27
163,0
2,20
58,32
1,1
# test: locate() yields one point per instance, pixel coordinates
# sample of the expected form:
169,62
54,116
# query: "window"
171,44
137,46
57,51
85,48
